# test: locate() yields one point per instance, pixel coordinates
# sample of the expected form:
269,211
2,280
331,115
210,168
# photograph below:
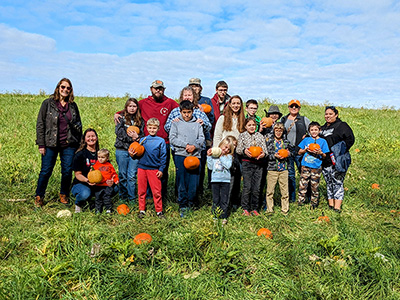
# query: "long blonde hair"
231,141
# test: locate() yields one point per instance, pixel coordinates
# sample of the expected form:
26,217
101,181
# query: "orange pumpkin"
267,121
133,128
265,232
138,148
283,152
314,147
191,163
123,209
94,176
323,218
375,186
206,108
255,151
142,238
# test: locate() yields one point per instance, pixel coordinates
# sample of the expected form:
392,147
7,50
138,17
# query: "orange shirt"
107,171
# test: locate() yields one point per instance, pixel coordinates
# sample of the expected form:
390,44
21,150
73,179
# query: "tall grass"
355,256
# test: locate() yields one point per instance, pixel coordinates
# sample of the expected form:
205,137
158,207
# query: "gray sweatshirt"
184,133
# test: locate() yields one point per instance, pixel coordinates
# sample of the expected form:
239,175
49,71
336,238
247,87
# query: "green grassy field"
355,256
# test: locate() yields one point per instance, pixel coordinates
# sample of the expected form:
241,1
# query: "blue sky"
334,51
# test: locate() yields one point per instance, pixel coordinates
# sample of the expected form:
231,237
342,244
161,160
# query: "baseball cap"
157,83
294,101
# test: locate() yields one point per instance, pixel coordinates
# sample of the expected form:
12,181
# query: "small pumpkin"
94,176
314,147
283,152
142,238
133,128
191,163
265,232
206,108
123,209
255,151
267,121
64,213
375,186
216,151
138,148
323,219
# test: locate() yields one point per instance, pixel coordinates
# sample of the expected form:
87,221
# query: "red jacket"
107,171
149,108
215,103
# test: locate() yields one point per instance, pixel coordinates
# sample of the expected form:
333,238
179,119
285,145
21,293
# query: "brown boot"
38,201
63,199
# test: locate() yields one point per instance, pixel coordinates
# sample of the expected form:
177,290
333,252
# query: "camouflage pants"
312,177
334,183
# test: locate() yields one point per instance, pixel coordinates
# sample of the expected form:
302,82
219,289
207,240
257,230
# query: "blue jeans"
83,193
48,163
127,170
187,182
292,175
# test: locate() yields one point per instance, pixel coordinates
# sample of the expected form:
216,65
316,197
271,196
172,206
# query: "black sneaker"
160,215
141,214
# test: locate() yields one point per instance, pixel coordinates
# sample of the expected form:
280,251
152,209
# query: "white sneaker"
78,209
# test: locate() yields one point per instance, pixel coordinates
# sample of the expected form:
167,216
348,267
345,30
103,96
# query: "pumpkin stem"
143,140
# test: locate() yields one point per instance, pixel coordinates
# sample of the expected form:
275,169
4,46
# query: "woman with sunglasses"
58,132
340,138
296,128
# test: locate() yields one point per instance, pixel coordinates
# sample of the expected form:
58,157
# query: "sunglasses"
294,106
330,107
65,87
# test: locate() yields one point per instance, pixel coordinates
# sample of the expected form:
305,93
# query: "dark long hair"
56,94
137,117
228,113
83,142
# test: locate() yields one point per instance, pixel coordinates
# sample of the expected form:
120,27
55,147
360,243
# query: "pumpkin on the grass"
283,152
142,238
123,209
138,148
265,232
206,108
267,121
323,219
133,128
94,176
191,163
255,151
375,186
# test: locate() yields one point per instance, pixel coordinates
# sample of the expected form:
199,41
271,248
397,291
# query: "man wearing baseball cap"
158,106
296,129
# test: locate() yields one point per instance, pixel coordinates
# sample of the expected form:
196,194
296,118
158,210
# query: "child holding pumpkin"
186,137
219,162
151,167
105,189
251,146
125,135
277,167
314,149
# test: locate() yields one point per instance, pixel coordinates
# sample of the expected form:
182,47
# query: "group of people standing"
222,132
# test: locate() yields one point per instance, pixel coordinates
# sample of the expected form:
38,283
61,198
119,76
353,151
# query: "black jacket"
301,130
47,124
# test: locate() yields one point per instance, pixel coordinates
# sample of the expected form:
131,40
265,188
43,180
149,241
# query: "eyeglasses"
222,90
65,87
294,106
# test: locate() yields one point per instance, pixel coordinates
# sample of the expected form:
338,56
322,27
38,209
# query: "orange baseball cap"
294,101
